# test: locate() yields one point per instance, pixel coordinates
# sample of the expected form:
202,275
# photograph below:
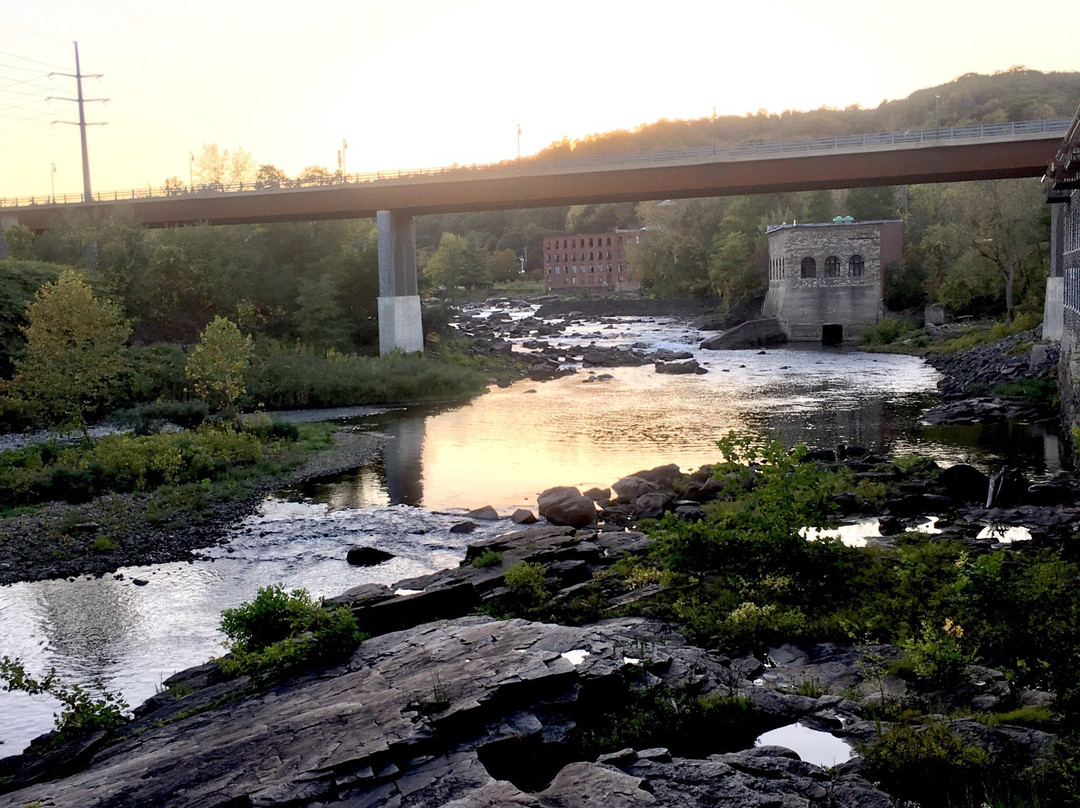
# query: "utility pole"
82,124
519,143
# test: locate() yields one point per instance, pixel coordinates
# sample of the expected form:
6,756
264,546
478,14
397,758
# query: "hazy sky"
417,83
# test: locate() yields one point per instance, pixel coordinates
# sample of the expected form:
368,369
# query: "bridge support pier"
400,325
1054,305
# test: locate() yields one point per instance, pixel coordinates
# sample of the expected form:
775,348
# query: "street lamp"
937,117
344,150
53,178
191,170
519,142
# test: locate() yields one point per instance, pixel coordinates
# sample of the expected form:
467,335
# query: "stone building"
826,279
591,260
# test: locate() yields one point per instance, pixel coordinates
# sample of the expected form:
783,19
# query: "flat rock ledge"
467,712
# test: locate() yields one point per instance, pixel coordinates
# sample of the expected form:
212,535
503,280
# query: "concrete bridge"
989,151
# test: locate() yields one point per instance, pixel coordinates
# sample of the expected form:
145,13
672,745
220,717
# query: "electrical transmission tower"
81,123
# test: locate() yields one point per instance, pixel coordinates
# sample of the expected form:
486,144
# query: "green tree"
731,268
20,241
505,266
320,318
74,351
1003,227
458,262
869,204
217,364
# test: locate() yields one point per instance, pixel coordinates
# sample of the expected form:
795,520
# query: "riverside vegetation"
926,614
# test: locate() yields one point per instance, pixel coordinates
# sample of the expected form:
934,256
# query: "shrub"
928,764
488,558
81,712
937,657
279,633
526,583
888,331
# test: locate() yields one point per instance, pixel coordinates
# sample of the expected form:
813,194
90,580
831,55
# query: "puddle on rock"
811,745
1005,534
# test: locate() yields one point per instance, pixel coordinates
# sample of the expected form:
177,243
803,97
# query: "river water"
502,449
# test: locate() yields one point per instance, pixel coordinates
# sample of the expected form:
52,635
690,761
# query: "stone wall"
1069,364
847,293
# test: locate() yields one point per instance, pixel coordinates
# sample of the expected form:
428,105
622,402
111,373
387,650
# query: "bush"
526,583
937,657
929,765
888,331
280,633
81,712
488,558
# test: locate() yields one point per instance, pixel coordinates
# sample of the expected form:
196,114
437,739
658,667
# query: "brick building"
826,280
591,261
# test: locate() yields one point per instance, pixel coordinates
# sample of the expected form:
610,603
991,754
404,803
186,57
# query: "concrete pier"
399,299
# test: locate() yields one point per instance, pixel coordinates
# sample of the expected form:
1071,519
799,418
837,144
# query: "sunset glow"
418,83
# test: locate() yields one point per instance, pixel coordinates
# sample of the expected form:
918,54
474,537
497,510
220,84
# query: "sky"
426,83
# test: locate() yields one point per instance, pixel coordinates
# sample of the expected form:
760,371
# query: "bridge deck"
939,155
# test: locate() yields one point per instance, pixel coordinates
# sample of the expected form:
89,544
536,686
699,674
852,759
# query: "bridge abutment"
400,325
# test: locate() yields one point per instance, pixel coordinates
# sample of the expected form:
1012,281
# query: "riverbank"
627,672
168,524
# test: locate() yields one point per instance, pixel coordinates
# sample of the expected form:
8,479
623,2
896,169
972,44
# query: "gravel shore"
113,531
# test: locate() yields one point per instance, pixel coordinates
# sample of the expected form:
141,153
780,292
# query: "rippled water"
500,450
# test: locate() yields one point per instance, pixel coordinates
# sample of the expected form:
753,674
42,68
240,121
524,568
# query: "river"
502,449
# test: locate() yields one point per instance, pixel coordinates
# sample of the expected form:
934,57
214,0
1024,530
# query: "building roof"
772,228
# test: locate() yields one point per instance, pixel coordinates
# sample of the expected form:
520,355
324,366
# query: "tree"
320,318
869,204
458,262
20,241
268,174
217,167
74,352
217,365
731,268
1003,227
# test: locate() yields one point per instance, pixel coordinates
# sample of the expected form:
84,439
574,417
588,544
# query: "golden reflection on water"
511,444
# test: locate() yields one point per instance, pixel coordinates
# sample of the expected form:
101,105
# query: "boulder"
464,527
523,516
652,505
574,511
964,483
367,556
690,366
630,488
553,496
487,514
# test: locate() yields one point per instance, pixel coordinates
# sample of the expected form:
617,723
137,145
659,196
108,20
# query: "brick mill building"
591,261
826,280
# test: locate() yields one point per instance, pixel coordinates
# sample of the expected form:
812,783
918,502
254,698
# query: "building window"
832,267
809,267
855,266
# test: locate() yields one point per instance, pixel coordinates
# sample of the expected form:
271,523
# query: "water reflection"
507,446
812,745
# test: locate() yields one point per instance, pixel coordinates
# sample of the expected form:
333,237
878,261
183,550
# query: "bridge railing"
879,140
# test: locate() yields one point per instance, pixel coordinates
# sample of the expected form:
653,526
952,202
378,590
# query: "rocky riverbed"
444,706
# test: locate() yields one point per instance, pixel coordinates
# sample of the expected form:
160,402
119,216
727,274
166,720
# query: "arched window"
809,267
609,241
855,266
832,267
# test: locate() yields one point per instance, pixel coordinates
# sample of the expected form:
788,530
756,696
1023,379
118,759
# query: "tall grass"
287,377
